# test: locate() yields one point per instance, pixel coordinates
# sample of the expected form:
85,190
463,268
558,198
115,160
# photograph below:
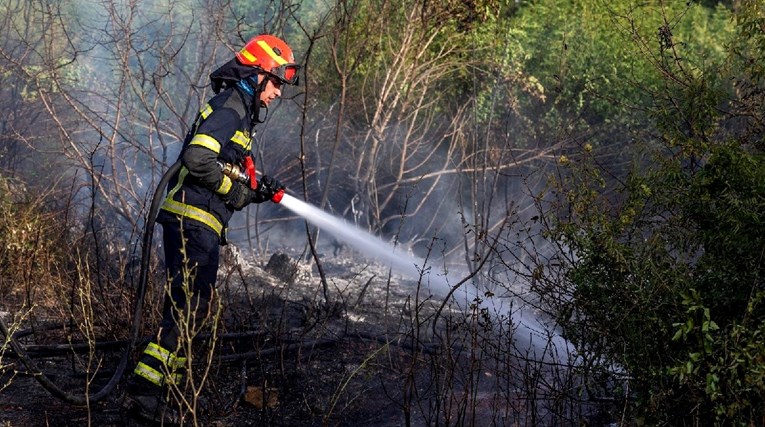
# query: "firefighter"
200,201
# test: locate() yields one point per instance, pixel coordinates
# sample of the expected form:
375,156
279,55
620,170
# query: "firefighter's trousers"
191,259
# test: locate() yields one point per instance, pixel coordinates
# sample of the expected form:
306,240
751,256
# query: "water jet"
530,332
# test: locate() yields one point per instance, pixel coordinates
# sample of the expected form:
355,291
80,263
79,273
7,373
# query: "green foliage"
749,46
669,282
747,69
600,64
585,64
667,265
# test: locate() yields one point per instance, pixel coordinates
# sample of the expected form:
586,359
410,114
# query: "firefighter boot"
150,404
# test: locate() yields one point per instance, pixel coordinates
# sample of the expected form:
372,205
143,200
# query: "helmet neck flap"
244,78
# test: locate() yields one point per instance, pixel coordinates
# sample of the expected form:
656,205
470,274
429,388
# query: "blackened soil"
350,361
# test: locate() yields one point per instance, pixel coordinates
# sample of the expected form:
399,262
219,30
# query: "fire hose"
234,172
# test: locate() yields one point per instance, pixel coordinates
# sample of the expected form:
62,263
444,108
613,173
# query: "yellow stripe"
279,60
194,213
240,139
180,362
159,353
164,355
181,178
250,57
175,378
152,375
206,141
206,111
189,211
225,186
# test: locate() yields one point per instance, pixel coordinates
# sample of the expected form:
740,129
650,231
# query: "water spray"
367,243
530,333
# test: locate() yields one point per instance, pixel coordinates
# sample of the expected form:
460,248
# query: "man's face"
272,90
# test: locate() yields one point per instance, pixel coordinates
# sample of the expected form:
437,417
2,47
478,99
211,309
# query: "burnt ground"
286,357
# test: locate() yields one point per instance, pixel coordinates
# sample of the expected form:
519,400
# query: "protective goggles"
286,73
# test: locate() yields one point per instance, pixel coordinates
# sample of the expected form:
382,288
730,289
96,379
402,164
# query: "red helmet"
272,55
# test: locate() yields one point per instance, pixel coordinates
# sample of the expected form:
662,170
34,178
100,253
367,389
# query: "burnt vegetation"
598,184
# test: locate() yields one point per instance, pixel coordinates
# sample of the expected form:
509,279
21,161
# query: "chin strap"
247,86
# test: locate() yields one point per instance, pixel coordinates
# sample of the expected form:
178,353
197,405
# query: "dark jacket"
222,133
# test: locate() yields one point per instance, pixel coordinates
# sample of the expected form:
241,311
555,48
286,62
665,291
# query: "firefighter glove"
239,196
267,189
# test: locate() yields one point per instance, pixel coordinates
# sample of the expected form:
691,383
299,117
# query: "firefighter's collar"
245,86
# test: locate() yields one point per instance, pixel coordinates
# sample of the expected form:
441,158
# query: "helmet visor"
287,73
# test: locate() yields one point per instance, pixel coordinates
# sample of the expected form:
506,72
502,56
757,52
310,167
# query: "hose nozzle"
235,172
240,175
278,196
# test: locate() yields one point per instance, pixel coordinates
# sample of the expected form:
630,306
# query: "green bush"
668,279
